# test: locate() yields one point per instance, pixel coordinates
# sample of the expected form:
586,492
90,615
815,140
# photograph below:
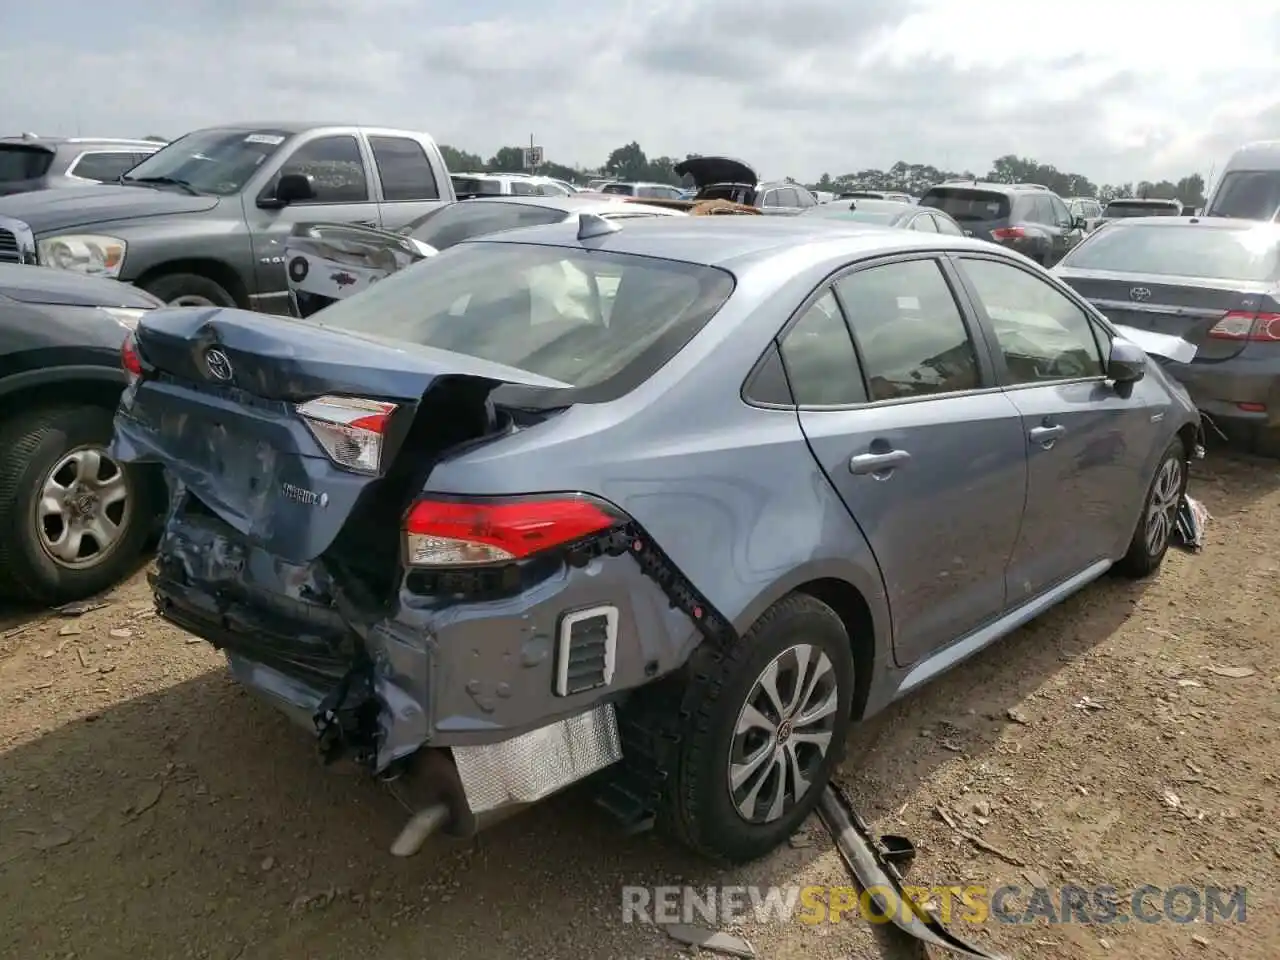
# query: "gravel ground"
149,808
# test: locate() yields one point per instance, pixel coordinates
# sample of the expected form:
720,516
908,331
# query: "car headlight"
85,253
127,317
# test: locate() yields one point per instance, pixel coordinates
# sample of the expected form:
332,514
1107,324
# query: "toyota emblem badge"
219,364
1140,294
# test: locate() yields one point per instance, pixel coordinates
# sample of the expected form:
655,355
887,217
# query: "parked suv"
723,178
32,162
1086,207
203,221
645,191
1026,217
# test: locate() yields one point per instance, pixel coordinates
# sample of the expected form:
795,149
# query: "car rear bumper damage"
471,695
1243,389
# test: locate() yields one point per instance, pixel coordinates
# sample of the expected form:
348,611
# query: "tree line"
630,162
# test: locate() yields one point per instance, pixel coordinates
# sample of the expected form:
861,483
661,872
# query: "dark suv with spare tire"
73,521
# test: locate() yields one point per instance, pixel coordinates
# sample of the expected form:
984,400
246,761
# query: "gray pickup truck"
203,221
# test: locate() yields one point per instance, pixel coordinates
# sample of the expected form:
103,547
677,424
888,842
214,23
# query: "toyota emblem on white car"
219,364
1140,294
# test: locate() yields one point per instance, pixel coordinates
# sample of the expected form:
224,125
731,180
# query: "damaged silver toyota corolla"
672,502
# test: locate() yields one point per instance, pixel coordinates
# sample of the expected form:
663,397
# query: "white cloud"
1117,91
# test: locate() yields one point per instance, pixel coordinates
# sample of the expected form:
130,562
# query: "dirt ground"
149,808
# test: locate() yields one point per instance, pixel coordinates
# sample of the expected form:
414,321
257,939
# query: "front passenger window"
1042,334
336,167
912,335
819,357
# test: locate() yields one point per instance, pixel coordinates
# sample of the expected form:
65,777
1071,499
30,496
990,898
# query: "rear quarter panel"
730,492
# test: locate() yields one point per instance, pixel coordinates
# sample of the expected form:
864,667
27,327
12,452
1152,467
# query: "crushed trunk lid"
1184,307
218,407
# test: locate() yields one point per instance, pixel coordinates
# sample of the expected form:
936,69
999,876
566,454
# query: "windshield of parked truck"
218,162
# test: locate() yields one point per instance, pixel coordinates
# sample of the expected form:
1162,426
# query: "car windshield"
968,205
218,162
22,163
1247,195
446,226
1136,208
1182,250
626,188
577,315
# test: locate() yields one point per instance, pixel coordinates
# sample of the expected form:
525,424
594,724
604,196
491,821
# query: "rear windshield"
1180,250
23,163
584,317
868,211
445,226
474,185
968,205
1247,195
1130,208
617,188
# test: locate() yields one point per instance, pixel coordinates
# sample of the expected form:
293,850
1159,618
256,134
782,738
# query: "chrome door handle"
878,463
1046,435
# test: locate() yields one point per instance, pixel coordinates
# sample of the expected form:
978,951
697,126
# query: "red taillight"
1242,325
1008,233
350,429
448,533
129,358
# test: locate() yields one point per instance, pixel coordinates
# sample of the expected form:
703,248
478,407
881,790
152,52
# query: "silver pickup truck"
203,221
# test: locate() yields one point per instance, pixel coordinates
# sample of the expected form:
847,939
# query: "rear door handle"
1047,434
364,223
874,463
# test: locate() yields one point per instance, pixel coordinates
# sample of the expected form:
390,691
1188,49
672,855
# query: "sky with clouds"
1117,90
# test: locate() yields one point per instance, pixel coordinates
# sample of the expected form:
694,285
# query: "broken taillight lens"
350,429
129,358
1243,325
450,533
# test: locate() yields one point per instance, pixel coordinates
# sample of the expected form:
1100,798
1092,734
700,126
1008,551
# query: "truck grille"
587,648
9,252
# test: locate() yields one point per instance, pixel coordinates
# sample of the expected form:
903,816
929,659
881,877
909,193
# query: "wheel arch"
61,387
219,271
858,599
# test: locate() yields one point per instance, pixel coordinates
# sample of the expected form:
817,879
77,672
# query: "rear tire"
1158,522
54,449
189,290
745,781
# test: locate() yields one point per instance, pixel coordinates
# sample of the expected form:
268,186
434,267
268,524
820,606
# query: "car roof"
1198,223
574,204
1152,201
37,140
987,186
724,241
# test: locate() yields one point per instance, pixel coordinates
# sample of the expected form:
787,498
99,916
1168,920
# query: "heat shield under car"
333,261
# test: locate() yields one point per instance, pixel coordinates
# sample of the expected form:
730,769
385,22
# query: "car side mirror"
1126,365
291,188
1079,223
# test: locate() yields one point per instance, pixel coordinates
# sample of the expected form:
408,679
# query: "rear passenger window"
924,224
521,188
1042,334
944,225
404,169
913,339
820,360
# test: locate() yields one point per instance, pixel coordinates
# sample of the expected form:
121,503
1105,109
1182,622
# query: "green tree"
507,160
459,161
628,163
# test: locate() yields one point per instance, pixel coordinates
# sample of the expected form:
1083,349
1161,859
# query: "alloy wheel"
83,509
783,733
1162,511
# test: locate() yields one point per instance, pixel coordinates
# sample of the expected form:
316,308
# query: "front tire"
189,290
765,733
72,520
1158,522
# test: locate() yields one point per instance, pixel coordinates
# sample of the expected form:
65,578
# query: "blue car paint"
730,491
